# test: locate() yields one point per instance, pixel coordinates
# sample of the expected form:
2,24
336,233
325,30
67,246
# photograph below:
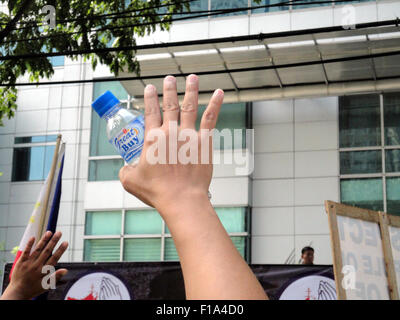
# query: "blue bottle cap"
104,103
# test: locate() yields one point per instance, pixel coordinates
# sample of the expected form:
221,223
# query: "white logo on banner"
98,286
310,288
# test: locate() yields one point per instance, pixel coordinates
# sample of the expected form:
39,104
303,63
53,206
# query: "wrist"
184,205
12,293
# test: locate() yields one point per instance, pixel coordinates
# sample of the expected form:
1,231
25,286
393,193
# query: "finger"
57,254
152,114
48,250
170,101
210,115
27,252
41,244
60,273
190,102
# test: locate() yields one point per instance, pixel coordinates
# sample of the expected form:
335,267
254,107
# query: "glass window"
115,87
105,170
103,223
31,163
392,160
364,193
229,4
359,121
102,250
143,222
143,237
197,5
35,139
240,244
170,253
268,9
393,195
361,162
232,116
142,249
57,61
310,4
233,219
391,103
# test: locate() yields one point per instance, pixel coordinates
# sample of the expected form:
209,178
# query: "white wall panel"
314,191
273,193
273,138
311,220
266,112
271,249
274,165
316,135
272,221
316,164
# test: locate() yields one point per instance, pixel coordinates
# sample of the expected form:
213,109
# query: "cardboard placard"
363,258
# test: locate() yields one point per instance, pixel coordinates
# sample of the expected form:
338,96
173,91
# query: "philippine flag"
44,219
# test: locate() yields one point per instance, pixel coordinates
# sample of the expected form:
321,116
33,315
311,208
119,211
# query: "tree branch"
10,26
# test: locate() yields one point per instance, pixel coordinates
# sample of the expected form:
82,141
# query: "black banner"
164,281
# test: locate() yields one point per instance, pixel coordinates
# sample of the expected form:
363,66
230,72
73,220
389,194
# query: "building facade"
342,147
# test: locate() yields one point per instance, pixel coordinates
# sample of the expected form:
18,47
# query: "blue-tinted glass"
142,249
240,244
232,116
393,195
114,86
102,250
359,121
143,222
35,139
48,159
36,162
361,162
233,219
363,193
270,3
103,223
105,170
229,4
170,253
309,4
392,160
198,5
57,61
391,104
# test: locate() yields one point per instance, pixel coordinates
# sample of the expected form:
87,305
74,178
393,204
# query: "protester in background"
27,276
307,255
212,267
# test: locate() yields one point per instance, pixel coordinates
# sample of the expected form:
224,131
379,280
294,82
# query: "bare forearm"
212,267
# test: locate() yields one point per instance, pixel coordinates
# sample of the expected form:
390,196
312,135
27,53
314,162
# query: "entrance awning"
330,61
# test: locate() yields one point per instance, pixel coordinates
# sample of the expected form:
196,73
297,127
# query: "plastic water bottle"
125,128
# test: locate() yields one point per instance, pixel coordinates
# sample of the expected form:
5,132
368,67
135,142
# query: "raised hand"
155,181
27,276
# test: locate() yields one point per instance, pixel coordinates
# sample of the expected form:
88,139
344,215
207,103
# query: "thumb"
126,174
60,273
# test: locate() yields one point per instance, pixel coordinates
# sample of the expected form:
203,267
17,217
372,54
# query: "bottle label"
129,142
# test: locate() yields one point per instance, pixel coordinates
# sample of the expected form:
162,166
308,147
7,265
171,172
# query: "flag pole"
47,194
